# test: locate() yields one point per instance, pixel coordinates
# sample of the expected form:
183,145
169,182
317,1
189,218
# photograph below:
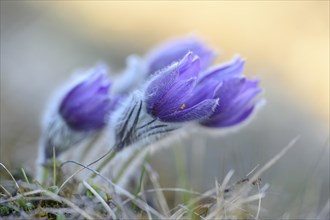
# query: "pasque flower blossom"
170,95
86,105
216,97
236,94
79,110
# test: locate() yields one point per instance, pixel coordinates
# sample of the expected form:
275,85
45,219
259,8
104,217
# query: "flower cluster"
217,97
171,86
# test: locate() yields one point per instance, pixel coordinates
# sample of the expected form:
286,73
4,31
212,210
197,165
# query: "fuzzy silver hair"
57,135
131,124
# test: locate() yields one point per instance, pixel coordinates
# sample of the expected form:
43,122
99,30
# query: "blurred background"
286,44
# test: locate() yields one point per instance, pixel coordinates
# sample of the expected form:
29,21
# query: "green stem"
105,162
89,146
54,167
25,177
125,166
180,161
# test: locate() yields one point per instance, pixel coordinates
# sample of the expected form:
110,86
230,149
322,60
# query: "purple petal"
224,71
174,98
180,76
158,87
221,122
236,102
172,51
200,111
86,105
189,66
202,92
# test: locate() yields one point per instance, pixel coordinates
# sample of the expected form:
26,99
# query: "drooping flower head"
170,97
218,97
235,92
80,110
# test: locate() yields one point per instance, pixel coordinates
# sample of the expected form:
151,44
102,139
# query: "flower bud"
172,51
80,110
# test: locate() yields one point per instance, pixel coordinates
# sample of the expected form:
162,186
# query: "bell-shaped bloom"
169,96
236,103
174,50
218,97
235,92
87,104
78,111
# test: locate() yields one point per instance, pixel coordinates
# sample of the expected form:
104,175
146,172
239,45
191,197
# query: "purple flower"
86,105
218,97
235,92
174,50
170,95
236,102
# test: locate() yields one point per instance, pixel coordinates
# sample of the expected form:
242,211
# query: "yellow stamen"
183,106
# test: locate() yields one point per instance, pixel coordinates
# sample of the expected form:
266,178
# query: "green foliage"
53,189
4,210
